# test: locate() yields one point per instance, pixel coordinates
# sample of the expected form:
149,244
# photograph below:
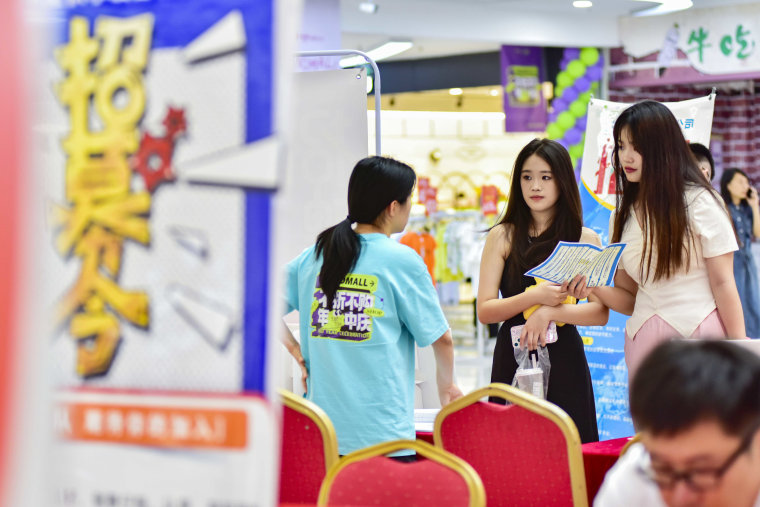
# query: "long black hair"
374,184
725,179
567,223
667,167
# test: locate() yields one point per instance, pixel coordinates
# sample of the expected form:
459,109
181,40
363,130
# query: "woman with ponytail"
364,300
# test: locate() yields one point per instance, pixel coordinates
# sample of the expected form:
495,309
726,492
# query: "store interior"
444,114
169,163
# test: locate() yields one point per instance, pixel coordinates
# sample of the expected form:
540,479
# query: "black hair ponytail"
374,184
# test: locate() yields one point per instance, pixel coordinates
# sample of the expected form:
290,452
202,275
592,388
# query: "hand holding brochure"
568,259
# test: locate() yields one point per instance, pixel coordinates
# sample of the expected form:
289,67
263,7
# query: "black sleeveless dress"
569,378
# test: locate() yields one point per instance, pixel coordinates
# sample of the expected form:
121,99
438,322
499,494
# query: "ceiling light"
387,50
456,91
582,4
665,7
494,92
368,7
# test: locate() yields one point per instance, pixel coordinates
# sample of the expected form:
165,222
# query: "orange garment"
424,244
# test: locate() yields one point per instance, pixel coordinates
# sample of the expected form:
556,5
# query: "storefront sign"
715,42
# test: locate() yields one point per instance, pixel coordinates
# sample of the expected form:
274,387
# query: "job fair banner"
604,345
159,168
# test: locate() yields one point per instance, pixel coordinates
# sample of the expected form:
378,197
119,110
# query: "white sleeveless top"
685,299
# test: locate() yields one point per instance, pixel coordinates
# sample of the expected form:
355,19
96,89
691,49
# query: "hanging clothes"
424,244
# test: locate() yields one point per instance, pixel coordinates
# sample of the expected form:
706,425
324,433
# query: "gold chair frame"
320,418
634,439
432,453
540,407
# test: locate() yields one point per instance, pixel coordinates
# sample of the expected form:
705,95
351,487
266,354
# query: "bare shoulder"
589,236
500,239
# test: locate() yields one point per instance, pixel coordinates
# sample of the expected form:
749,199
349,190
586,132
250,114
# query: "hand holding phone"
551,334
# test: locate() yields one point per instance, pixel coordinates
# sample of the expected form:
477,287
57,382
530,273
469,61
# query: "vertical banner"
159,174
521,78
604,345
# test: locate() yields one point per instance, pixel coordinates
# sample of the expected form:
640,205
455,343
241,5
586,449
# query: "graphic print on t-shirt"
354,306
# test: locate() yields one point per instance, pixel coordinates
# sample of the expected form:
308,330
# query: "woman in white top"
675,277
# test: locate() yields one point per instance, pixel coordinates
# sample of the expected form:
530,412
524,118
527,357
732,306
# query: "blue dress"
745,271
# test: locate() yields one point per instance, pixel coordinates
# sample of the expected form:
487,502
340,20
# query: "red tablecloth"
598,457
427,436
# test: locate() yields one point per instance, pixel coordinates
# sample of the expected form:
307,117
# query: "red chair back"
527,453
308,449
368,477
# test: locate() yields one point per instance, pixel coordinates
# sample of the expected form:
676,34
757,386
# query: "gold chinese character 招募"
104,87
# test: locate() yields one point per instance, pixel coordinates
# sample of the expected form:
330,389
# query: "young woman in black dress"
544,208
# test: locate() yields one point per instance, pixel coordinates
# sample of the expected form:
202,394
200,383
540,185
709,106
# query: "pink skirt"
655,331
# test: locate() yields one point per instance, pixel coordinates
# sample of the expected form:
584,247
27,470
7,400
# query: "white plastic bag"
533,367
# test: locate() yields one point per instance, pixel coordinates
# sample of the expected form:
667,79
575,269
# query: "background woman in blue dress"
742,202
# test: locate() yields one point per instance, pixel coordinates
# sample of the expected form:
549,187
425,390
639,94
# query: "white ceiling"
448,27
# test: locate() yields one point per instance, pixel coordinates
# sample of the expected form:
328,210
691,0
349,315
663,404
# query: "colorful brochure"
568,259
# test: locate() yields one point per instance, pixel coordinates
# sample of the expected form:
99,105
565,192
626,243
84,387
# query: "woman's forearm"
616,298
730,309
588,314
499,310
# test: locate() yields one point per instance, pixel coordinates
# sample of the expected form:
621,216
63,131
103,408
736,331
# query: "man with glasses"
696,407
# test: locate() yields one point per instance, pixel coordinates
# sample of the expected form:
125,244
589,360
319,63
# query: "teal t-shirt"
360,356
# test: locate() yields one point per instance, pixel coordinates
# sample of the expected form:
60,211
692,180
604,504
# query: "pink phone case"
551,334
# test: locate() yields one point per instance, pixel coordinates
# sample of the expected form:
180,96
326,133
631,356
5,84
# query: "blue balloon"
563,64
569,95
582,84
572,53
559,104
573,136
581,122
553,116
594,73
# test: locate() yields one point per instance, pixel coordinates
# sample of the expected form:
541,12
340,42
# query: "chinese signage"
521,77
159,282
102,209
189,451
716,41
604,345
158,261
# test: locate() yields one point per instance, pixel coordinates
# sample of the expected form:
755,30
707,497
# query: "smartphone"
551,334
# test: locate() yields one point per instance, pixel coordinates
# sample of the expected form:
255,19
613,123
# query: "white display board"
328,135
130,449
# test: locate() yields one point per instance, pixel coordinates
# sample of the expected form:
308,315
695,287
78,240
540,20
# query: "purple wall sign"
521,78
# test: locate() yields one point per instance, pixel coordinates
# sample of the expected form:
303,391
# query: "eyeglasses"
698,479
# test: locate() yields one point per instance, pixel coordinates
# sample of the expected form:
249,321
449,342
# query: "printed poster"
160,141
521,78
160,163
